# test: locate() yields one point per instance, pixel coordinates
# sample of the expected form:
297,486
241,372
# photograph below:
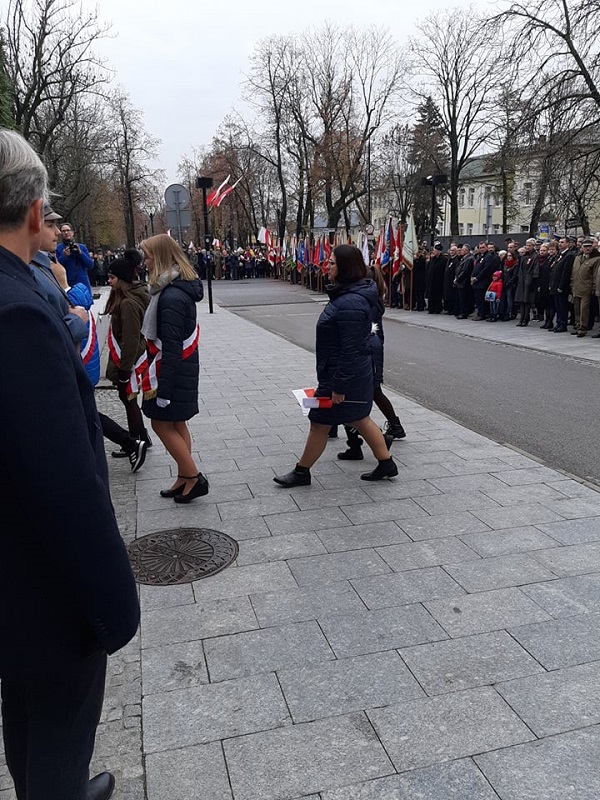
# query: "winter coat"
376,342
529,270
545,270
176,321
583,275
76,264
496,286
126,328
449,276
80,295
510,273
344,360
434,281
483,269
560,278
57,297
463,272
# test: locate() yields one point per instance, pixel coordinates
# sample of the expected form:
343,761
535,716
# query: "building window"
471,197
497,197
461,198
497,229
461,229
527,187
470,228
524,228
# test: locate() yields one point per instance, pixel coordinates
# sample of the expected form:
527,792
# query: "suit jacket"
66,586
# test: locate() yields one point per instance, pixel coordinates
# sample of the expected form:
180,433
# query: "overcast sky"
182,62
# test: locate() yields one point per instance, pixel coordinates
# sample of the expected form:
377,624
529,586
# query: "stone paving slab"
499,572
434,552
576,531
337,566
371,534
309,602
428,731
558,701
566,597
564,766
190,622
443,525
188,773
265,650
562,642
276,548
204,714
412,586
351,684
577,559
513,540
480,660
374,631
176,666
310,757
486,611
455,780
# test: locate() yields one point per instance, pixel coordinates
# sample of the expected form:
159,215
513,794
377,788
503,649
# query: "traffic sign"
177,196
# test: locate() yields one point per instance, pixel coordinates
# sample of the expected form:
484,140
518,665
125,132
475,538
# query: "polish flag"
218,200
307,400
215,194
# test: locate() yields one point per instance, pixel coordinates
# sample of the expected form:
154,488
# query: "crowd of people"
555,282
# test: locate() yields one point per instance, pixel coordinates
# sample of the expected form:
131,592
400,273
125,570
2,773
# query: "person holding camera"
74,257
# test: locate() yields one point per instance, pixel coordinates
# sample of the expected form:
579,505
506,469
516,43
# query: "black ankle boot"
394,429
354,442
384,469
299,476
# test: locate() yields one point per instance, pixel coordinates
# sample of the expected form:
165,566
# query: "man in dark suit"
67,594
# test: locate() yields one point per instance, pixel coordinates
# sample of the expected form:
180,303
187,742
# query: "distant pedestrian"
493,295
74,257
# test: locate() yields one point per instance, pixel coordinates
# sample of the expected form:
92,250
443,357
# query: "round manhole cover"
181,555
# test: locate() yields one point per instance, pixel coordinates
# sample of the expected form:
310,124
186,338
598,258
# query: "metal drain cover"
181,555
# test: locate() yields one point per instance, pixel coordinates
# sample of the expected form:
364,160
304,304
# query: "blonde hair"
167,254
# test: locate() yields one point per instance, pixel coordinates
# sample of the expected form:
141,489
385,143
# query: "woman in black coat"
171,382
344,367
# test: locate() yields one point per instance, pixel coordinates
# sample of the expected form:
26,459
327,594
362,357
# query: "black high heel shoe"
173,492
199,489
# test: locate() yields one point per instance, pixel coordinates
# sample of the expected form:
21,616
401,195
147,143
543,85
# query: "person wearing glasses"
74,256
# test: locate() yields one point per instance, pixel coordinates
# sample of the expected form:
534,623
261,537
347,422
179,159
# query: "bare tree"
459,68
132,150
50,63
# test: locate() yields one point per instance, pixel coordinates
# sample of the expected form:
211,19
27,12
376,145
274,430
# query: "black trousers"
49,730
112,431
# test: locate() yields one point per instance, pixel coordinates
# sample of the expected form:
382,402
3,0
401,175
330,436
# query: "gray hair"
23,179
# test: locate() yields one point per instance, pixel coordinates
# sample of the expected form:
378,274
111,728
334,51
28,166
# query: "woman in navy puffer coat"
344,367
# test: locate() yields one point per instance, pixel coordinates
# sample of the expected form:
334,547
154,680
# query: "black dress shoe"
101,787
385,469
299,476
595,336
351,454
199,489
119,454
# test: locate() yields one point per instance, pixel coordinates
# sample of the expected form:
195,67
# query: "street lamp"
433,181
205,183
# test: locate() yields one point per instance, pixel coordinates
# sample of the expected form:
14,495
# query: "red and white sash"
150,377
87,352
139,368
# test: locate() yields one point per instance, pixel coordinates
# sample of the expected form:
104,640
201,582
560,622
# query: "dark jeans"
461,294
507,302
49,730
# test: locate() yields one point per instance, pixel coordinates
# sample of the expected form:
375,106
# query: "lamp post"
433,181
205,183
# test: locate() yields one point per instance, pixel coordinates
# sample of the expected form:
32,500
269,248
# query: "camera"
71,245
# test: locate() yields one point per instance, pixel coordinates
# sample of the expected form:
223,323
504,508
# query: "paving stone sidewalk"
432,637
531,337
